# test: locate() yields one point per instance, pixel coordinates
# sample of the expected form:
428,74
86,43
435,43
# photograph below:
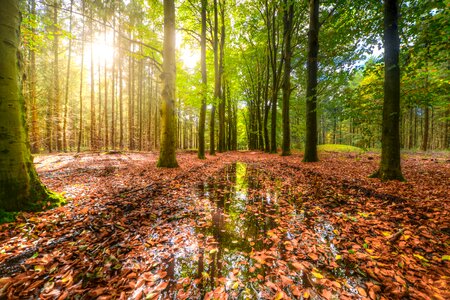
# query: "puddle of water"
242,244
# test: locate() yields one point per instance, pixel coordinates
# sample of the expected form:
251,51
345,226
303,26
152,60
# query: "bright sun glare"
188,56
103,51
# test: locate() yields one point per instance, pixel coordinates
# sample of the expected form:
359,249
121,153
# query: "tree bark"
390,168
80,127
221,98
201,129
93,127
167,156
288,18
56,100
20,187
311,86
35,145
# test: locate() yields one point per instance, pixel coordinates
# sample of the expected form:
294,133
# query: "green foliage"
7,217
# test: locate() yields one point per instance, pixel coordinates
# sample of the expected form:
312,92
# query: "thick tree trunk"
167,156
20,188
390,168
201,129
288,24
311,86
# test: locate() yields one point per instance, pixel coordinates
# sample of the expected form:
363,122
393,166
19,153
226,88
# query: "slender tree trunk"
221,147
288,19
35,145
80,126
93,127
57,100
140,98
149,129
212,149
99,134
105,117
20,187
121,139
113,90
446,144
426,128
390,168
156,115
167,156
311,87
201,130
130,103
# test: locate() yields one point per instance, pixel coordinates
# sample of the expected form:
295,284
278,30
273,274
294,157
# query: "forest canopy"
92,73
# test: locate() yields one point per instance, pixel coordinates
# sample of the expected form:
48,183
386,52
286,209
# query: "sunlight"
102,49
188,56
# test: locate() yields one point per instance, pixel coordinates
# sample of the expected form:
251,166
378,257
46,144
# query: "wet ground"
247,243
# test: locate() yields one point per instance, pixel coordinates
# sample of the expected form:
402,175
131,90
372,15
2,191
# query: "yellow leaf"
317,275
306,294
420,257
278,296
338,257
386,233
39,268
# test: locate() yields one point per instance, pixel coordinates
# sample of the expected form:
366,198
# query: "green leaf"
445,257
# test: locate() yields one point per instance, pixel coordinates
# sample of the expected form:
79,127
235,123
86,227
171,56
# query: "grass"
339,148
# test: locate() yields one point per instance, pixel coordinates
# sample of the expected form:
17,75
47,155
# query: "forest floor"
239,225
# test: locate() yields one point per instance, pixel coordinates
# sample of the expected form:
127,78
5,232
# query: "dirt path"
237,225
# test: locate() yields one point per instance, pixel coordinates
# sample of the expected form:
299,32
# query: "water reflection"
245,242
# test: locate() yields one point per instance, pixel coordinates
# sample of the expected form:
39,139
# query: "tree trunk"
121,140
390,168
93,127
35,145
57,100
201,129
167,156
212,150
113,89
106,101
221,147
311,86
288,17
20,187
80,127
99,134
426,129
